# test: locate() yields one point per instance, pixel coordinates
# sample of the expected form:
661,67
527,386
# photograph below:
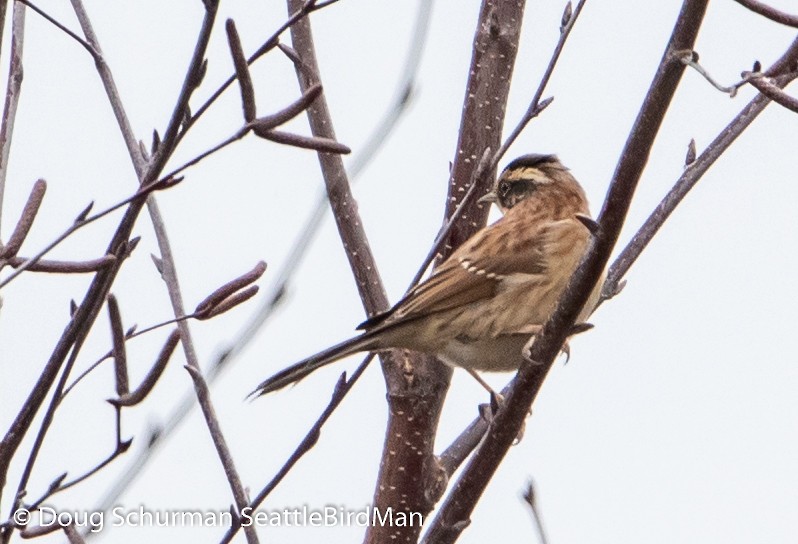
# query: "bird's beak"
489,198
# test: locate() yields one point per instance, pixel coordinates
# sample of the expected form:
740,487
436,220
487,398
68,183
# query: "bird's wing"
474,272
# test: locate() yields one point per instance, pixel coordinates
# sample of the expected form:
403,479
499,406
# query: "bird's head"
541,180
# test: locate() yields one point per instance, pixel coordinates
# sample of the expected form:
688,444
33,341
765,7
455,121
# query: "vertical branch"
455,513
415,403
344,207
399,489
493,57
13,88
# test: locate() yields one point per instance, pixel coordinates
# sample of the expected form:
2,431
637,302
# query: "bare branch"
87,46
379,136
342,387
119,351
26,219
139,163
141,392
289,112
307,7
242,72
771,13
536,106
692,174
455,513
773,91
80,222
530,497
62,267
229,288
205,154
13,90
316,143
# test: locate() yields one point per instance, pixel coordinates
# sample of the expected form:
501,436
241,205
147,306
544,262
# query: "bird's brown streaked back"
480,307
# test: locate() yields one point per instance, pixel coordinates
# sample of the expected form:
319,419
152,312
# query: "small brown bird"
484,303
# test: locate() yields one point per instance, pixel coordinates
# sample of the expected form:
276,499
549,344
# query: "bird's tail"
297,371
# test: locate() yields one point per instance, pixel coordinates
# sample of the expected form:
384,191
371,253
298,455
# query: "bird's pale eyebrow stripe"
524,173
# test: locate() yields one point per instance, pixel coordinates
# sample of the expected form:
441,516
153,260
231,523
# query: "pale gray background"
674,420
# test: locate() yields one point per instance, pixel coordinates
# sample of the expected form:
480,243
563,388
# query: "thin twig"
84,315
169,274
530,497
13,90
172,134
62,267
770,12
535,105
139,162
773,91
25,222
55,401
692,174
86,45
205,154
58,485
342,387
81,222
308,7
690,58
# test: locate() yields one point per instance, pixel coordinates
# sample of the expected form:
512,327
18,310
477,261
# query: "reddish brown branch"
692,174
774,92
455,513
63,267
119,349
415,403
242,72
229,288
149,381
289,112
316,143
770,12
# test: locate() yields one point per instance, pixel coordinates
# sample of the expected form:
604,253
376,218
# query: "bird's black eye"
504,188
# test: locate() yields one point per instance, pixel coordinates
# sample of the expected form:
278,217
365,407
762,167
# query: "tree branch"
455,513
692,174
771,13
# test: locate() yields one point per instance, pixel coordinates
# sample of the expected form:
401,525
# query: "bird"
481,307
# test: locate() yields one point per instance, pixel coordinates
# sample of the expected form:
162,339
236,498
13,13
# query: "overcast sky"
674,421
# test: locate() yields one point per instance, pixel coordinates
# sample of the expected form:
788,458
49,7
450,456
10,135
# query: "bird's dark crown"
530,160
